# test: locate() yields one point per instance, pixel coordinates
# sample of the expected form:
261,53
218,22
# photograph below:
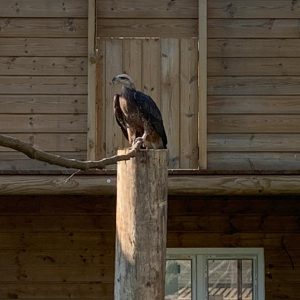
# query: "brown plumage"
138,115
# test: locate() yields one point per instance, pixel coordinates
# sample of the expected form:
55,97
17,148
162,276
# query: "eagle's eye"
123,78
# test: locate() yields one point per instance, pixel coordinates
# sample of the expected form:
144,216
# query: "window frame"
199,256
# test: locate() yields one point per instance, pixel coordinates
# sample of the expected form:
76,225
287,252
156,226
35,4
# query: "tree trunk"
141,226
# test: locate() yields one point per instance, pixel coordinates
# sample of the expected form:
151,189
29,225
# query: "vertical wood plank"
202,71
132,60
113,63
151,69
100,100
170,91
91,132
188,104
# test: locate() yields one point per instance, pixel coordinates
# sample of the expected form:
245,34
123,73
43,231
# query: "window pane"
230,279
247,275
178,280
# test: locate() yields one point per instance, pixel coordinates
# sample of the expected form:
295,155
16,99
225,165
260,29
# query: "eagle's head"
125,80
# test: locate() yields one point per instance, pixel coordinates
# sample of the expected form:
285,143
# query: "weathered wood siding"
253,85
253,73
63,247
43,78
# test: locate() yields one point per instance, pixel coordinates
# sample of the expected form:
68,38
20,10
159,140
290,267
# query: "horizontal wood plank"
43,27
44,8
43,47
147,9
62,291
253,9
253,161
12,161
42,258
42,123
247,240
254,104
56,241
253,28
43,66
279,85
57,223
254,142
43,104
253,66
233,224
177,185
147,27
253,124
43,85
253,47
57,274
53,142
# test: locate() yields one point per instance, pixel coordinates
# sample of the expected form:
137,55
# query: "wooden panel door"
165,69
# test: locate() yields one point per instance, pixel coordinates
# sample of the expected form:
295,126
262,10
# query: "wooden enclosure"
252,74
62,247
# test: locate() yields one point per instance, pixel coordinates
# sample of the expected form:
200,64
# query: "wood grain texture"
177,184
100,99
188,106
253,9
147,9
53,142
44,8
92,84
253,66
141,226
42,123
43,27
254,142
253,124
253,104
253,28
252,161
273,85
43,47
148,28
60,66
202,83
114,66
227,47
43,104
63,85
170,96
151,70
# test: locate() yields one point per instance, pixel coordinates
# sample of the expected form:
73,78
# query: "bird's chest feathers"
130,111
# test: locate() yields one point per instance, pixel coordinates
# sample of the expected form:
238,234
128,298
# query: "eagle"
138,115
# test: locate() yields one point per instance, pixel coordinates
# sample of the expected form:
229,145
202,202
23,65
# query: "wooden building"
226,75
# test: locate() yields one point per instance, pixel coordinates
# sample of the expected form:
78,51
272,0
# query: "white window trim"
199,255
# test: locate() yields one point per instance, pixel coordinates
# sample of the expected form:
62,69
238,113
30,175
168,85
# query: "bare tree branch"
34,153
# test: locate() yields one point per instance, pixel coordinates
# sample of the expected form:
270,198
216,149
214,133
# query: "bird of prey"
138,115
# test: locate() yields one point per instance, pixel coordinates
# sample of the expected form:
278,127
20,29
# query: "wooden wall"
63,247
253,73
253,84
43,77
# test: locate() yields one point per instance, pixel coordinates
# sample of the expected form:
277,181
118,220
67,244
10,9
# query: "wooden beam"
141,226
92,109
202,77
177,185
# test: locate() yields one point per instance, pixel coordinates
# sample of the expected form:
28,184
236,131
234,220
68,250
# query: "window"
215,274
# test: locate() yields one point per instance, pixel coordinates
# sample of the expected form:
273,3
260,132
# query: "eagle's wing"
119,115
151,113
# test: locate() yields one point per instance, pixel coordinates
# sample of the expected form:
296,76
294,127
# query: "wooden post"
141,226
